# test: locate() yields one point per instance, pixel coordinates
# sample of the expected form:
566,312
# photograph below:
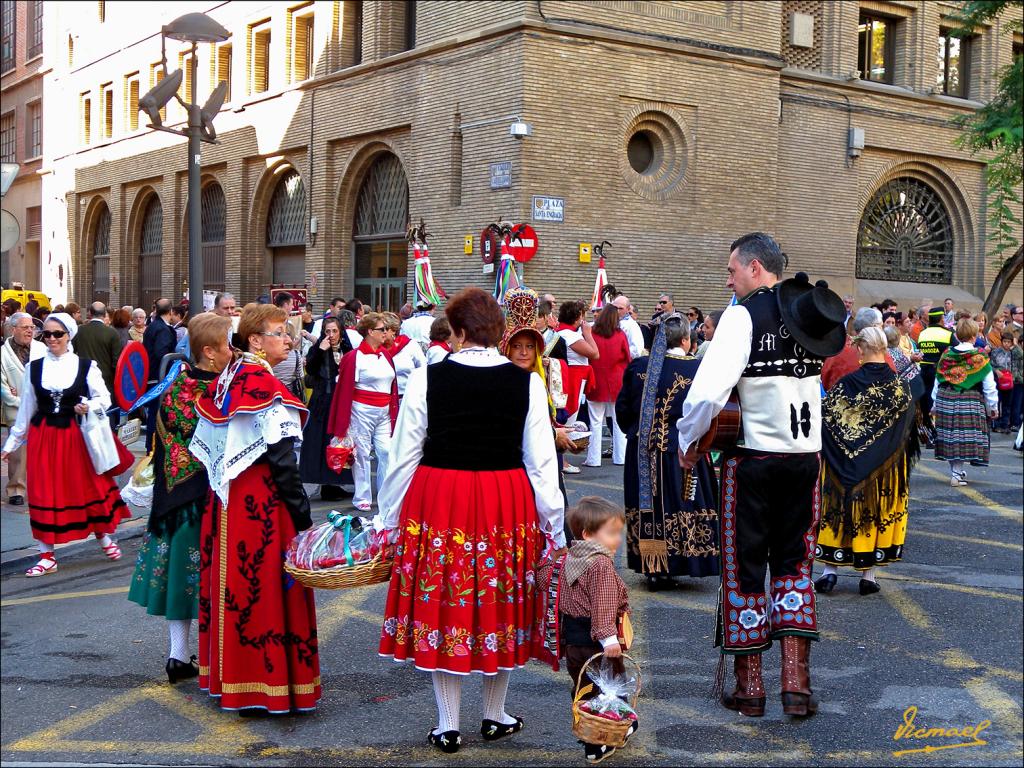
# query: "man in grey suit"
98,341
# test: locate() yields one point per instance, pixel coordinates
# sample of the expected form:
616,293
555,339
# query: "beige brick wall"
748,146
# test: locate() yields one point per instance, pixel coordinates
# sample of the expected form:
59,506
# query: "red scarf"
341,404
400,343
565,327
442,344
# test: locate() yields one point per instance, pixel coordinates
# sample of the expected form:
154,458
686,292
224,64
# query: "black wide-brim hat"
813,314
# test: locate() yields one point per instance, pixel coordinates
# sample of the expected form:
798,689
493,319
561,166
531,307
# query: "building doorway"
379,244
286,231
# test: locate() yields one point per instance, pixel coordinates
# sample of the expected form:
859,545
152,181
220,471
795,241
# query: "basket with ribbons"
340,553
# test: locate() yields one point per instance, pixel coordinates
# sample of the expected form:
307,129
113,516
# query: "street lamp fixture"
191,28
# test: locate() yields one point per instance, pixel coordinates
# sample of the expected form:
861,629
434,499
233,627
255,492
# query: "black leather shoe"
181,670
16,501
869,587
825,584
447,741
492,730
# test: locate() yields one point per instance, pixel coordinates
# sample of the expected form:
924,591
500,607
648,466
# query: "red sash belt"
368,397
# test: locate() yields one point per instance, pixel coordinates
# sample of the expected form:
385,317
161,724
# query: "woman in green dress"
166,578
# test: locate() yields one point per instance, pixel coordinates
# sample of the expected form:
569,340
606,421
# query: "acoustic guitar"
726,428
725,432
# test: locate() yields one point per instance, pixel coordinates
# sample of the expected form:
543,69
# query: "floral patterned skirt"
461,597
166,579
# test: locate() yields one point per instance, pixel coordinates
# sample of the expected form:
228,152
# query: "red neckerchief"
565,327
341,403
443,344
400,343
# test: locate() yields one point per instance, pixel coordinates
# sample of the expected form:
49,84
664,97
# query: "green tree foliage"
998,127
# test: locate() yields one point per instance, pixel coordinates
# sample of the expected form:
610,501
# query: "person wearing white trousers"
598,413
370,428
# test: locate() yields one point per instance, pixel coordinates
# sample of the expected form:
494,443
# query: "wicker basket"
600,730
375,571
581,443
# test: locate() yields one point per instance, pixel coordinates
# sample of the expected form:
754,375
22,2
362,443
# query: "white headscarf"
66,320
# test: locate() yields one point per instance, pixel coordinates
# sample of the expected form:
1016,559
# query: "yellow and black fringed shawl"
869,446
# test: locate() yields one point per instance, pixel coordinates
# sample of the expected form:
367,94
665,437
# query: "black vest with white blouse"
57,407
475,416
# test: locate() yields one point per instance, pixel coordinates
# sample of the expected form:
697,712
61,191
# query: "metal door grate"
383,206
101,257
286,221
905,234
214,228
150,249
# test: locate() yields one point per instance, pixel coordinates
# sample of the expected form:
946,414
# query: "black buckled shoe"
492,730
869,587
16,501
181,670
826,583
447,741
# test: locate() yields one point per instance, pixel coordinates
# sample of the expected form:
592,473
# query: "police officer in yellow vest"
933,341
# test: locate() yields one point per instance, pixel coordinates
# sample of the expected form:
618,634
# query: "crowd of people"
836,404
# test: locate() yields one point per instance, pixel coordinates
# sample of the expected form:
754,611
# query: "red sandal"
44,566
112,551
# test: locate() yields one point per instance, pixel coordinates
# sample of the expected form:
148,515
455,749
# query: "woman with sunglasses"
67,499
365,406
257,628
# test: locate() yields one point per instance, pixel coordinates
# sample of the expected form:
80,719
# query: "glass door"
381,268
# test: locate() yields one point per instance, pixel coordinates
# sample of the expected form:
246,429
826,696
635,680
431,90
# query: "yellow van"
19,294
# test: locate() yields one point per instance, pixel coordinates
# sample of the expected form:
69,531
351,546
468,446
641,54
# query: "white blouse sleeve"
27,409
97,388
988,386
541,463
406,451
720,370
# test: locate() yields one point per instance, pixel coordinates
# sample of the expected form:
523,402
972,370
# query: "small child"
592,599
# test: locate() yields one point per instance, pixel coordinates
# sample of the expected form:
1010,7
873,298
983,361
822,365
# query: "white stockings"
495,690
448,692
179,630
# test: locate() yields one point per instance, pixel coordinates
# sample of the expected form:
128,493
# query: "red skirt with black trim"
462,593
257,625
67,500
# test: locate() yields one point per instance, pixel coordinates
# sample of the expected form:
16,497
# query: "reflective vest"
933,341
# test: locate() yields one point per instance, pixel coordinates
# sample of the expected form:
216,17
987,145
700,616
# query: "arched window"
905,234
381,250
214,218
101,256
150,252
286,230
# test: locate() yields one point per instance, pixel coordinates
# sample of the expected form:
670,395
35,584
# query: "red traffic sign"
488,246
523,242
131,374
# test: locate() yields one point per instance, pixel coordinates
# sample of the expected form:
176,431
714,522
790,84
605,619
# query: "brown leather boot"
748,698
797,697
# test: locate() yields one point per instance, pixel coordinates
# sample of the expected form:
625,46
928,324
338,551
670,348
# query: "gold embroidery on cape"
868,414
686,534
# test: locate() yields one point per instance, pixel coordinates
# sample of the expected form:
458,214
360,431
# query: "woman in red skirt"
257,626
471,498
67,499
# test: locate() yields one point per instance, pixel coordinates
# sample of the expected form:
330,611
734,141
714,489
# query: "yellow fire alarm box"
467,246
585,251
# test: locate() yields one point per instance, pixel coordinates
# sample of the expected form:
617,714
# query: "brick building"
667,128
22,69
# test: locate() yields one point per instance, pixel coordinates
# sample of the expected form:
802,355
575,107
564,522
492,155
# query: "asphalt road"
82,677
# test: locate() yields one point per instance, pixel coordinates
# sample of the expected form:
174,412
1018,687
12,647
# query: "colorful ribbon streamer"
506,276
597,302
428,290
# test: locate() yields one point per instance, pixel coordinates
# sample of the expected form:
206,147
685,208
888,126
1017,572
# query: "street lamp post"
194,28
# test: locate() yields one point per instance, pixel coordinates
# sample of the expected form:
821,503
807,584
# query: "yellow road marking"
967,539
1003,710
975,496
914,614
61,596
957,588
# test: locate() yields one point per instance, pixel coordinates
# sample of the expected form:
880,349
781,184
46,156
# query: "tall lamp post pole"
194,28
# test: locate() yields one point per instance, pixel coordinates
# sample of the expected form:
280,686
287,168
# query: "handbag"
1004,380
298,385
99,441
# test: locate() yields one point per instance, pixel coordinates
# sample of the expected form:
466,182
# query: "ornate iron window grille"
905,234
383,205
286,221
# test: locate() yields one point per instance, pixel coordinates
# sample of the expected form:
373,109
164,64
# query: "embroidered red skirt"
461,597
257,626
67,500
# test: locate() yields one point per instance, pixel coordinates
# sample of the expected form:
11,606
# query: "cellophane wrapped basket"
341,553
606,718
579,433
